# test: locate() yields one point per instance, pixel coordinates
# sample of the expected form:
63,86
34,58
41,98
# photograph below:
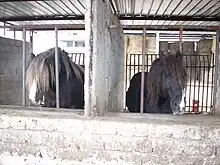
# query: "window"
69,43
79,43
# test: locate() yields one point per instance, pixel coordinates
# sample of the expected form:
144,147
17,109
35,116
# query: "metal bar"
43,26
168,18
43,18
180,39
24,67
203,81
125,27
142,71
57,69
212,82
152,2
31,40
159,7
194,7
113,7
4,29
216,77
200,68
14,34
176,7
157,42
207,86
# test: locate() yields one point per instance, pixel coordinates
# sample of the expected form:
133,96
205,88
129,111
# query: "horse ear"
32,56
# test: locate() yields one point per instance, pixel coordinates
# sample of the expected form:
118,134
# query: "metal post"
24,66
142,71
157,42
14,34
216,84
180,39
4,28
31,40
57,69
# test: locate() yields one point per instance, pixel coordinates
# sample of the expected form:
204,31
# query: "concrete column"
216,98
104,59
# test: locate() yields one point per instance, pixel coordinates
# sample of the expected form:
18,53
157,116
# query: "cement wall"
11,70
104,60
49,138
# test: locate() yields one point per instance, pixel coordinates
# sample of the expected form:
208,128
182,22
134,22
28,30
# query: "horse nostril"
175,104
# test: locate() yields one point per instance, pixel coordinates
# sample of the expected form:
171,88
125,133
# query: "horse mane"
42,68
154,78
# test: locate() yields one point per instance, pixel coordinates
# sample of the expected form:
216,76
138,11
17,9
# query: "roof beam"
169,18
43,18
22,0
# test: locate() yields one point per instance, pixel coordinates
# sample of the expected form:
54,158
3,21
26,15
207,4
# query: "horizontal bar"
43,18
171,27
125,27
24,0
51,26
168,18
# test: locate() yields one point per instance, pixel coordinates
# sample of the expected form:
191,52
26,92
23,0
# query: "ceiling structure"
133,14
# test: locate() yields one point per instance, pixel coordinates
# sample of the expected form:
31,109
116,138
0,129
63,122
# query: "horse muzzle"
176,109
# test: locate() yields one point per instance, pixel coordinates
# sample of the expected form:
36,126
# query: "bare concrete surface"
34,136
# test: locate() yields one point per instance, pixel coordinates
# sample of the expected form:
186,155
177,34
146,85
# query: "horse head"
170,86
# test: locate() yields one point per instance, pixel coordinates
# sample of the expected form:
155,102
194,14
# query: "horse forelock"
177,70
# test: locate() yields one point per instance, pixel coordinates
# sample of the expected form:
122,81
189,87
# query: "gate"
78,58
200,70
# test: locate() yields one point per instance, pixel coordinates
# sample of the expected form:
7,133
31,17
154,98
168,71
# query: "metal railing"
200,70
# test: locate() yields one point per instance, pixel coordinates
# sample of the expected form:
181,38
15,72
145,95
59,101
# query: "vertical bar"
138,62
157,43
142,71
57,69
14,34
200,73
24,66
4,28
203,81
31,40
135,55
212,82
180,39
207,83
216,71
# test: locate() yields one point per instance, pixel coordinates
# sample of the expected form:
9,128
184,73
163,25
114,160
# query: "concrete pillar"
216,98
104,59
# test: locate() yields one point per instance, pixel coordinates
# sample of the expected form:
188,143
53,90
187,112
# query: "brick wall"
49,138
11,70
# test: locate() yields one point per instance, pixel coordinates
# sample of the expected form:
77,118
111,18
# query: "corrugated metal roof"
195,13
169,12
47,9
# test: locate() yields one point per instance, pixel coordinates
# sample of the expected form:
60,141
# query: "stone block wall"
50,138
11,70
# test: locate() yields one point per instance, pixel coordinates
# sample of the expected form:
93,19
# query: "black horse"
133,97
41,81
163,86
